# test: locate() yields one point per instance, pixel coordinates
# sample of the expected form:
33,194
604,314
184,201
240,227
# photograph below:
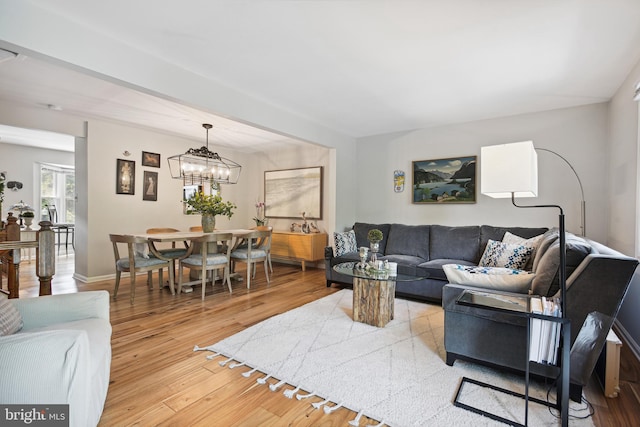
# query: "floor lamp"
511,170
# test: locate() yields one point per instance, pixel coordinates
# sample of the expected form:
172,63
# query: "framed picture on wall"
450,180
150,186
125,177
290,192
150,159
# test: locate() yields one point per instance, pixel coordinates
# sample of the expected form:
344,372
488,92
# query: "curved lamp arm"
583,225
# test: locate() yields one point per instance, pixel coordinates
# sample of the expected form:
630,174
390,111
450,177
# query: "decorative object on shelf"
14,185
209,206
260,218
22,208
398,181
150,186
450,180
511,170
125,177
374,236
200,166
150,159
362,253
305,224
291,191
28,219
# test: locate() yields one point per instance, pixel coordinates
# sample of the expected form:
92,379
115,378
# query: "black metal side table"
520,306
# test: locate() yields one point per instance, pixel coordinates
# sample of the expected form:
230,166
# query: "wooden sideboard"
298,246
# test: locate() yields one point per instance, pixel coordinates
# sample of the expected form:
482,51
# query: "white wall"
579,134
19,162
623,190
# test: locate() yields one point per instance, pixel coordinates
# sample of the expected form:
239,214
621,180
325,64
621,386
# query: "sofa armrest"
328,252
48,367
47,310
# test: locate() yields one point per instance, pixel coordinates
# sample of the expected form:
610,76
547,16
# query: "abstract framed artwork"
150,159
125,177
451,180
290,192
150,186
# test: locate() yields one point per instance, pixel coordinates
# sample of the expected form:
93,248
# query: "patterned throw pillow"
503,279
345,242
517,240
10,318
498,254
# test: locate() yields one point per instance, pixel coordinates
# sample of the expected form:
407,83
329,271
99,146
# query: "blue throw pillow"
345,242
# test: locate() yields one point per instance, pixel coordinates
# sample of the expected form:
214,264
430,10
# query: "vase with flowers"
209,206
260,219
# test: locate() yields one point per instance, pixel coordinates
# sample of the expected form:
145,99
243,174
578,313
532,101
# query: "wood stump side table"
373,293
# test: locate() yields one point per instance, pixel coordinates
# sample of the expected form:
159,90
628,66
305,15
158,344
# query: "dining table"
185,236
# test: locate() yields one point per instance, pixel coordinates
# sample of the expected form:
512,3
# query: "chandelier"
200,165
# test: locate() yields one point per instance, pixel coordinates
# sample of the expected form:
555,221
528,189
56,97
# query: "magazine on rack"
545,334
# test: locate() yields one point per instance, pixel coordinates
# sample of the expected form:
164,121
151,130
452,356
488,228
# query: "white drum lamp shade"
509,169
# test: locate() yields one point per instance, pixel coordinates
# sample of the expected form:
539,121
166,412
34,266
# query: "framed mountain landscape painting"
450,180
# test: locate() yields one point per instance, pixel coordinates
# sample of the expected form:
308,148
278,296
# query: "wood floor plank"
157,379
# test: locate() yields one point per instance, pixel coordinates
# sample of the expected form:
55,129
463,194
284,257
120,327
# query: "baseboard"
627,339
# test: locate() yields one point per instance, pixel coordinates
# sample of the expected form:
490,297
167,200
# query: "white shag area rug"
396,374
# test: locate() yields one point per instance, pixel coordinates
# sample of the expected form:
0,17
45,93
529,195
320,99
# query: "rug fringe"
304,396
380,424
224,362
213,356
236,365
289,393
248,373
263,380
356,420
329,409
319,405
274,387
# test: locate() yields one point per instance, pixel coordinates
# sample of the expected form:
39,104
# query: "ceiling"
357,67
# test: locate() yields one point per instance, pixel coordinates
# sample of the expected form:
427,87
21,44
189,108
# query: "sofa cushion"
434,267
345,242
454,242
408,240
10,318
503,279
545,242
362,229
547,280
499,254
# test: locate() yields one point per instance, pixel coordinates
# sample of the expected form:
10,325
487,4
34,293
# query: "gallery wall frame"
150,159
125,177
150,186
449,180
290,192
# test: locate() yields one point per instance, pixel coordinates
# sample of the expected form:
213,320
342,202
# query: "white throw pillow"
345,242
498,254
10,318
517,240
503,279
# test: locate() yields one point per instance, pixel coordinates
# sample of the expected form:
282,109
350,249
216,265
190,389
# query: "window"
58,188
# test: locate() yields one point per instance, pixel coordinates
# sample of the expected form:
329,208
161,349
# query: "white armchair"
62,354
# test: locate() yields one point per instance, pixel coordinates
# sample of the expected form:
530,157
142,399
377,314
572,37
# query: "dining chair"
208,259
243,245
257,250
173,251
134,262
60,228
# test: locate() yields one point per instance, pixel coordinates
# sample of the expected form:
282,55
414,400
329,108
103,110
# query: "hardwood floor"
156,378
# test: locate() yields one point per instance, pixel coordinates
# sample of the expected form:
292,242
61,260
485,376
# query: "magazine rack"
520,306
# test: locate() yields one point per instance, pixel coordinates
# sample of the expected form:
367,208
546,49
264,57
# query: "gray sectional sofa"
598,278
420,249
